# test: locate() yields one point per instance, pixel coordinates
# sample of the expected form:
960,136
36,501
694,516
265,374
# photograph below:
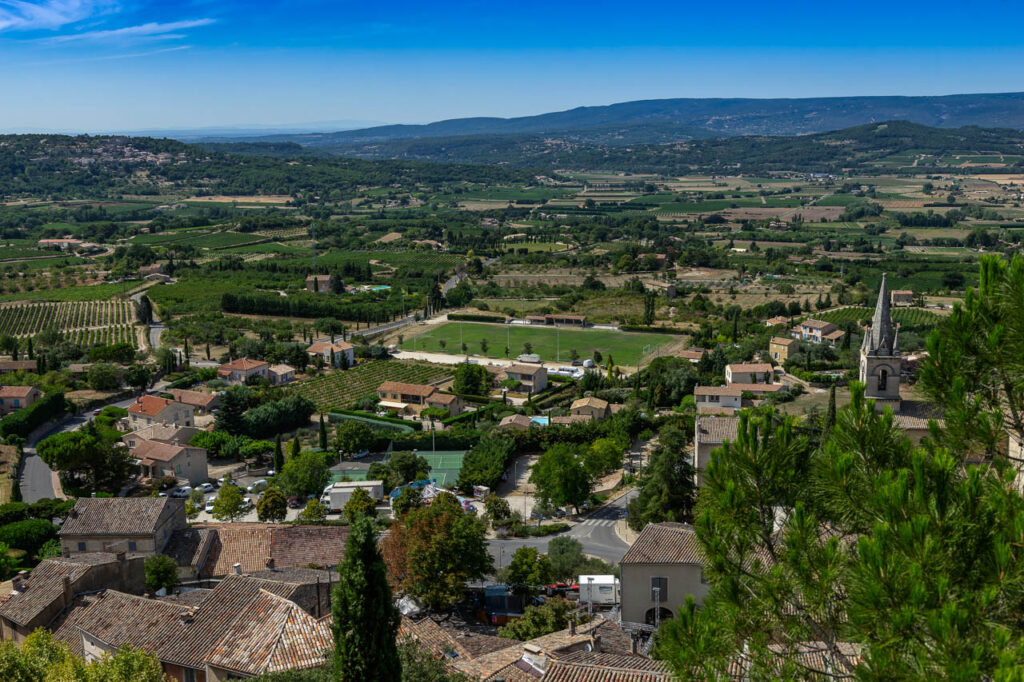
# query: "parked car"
206,487
183,491
296,502
271,472
209,505
96,413
258,486
246,503
577,363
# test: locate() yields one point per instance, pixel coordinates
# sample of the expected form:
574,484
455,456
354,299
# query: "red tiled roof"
590,666
17,391
406,389
750,367
119,515
253,544
197,398
243,364
665,543
717,429
783,342
16,365
149,405
320,346
46,584
118,618
155,451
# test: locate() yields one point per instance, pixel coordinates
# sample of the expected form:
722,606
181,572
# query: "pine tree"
323,434
365,619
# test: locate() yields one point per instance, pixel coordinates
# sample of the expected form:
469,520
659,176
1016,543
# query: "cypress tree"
365,619
830,416
278,454
31,355
296,448
323,434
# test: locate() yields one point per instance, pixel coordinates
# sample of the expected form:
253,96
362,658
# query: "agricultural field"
908,317
96,292
340,390
552,344
69,317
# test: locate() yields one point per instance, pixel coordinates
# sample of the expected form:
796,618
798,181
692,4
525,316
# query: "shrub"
29,535
25,421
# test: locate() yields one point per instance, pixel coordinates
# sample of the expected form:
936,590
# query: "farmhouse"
320,283
7,366
748,373
165,451
662,567
414,398
237,371
63,244
519,422
592,408
281,374
150,409
717,399
16,397
901,298
532,378
781,349
693,355
333,353
203,402
776,321
816,331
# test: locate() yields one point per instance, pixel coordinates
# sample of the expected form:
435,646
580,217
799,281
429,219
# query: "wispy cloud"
109,57
21,15
148,31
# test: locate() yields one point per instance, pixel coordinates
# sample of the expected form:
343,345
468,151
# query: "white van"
599,589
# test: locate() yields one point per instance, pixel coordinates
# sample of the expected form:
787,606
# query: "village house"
333,354
7,366
660,569
281,374
519,422
319,283
37,598
531,378
590,407
781,349
693,354
748,373
203,402
63,244
16,397
414,398
816,331
163,450
717,399
709,433
776,321
238,371
151,409
902,298
243,627
141,525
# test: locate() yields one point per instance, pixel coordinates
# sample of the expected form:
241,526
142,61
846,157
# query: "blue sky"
103,65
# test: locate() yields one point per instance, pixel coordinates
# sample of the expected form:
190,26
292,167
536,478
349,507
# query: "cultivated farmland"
340,390
908,317
26,319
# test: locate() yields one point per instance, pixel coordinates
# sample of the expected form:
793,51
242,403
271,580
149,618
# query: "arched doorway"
650,618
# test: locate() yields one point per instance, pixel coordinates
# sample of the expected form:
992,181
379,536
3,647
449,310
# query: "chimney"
68,594
572,627
238,568
185,617
595,642
19,583
632,645
93,494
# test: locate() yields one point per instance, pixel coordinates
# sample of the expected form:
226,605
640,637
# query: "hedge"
650,330
28,535
477,317
25,421
415,426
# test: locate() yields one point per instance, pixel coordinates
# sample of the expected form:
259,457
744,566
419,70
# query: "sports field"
445,465
552,344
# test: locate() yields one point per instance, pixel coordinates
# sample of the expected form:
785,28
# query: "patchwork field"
552,344
84,322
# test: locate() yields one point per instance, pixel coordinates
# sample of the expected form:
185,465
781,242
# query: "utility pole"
590,596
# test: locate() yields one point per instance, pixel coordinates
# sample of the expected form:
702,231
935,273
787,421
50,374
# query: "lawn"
625,347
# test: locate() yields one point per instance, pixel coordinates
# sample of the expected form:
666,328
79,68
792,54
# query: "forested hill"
648,121
866,146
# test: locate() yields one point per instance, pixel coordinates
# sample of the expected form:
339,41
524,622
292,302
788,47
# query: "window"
883,379
132,547
190,675
81,546
659,589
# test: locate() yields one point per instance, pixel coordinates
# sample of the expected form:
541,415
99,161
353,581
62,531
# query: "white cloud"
151,30
21,15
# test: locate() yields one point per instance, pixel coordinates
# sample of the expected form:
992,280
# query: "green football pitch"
551,343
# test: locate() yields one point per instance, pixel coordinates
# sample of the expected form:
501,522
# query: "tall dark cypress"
365,619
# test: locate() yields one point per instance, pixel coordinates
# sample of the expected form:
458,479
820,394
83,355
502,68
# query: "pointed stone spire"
881,340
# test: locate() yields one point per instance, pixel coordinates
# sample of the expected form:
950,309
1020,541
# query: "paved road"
35,478
156,327
596,532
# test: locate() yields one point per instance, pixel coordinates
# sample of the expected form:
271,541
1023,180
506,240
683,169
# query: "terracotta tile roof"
190,546
149,405
320,346
17,391
587,666
837,334
771,322
17,365
817,324
718,390
243,364
665,543
572,419
517,421
196,398
529,370
119,515
282,369
443,398
589,402
155,451
778,340
192,598
759,388
164,433
253,544
692,354
46,584
717,429
118,618
406,389
750,367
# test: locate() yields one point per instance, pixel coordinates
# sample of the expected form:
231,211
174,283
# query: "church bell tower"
880,360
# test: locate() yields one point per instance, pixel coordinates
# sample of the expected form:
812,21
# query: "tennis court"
445,465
